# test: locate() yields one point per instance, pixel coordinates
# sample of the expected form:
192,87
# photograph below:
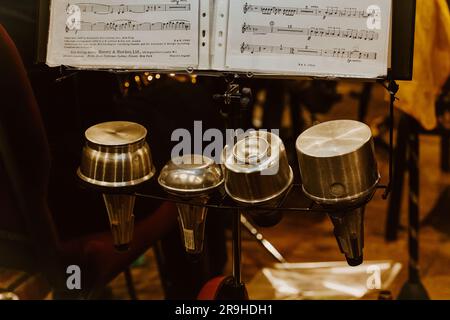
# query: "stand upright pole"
413,289
234,111
413,228
237,278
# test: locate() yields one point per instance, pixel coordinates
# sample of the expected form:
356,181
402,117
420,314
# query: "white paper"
161,34
220,29
206,18
320,38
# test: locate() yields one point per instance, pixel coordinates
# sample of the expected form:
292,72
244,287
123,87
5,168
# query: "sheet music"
139,34
322,37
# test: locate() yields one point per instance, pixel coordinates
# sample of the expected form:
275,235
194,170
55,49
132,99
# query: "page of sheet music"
337,38
138,34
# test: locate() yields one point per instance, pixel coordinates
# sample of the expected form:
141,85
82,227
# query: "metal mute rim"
188,192
207,173
249,160
262,201
130,183
358,196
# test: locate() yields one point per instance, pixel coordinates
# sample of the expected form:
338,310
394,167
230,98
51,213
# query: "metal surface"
256,168
349,233
339,171
337,162
115,133
191,176
192,222
116,155
120,212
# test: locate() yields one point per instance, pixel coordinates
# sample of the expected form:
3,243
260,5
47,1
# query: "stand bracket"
392,87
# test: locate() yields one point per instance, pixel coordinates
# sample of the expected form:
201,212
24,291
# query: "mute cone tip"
354,262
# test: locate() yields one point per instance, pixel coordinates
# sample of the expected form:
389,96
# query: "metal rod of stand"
413,228
398,179
237,248
413,289
264,242
393,89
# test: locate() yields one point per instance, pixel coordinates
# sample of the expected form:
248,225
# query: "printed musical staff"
333,32
99,8
332,53
310,11
131,25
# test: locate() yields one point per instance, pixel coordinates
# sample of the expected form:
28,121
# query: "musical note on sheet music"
311,11
131,25
147,34
333,32
99,8
332,53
